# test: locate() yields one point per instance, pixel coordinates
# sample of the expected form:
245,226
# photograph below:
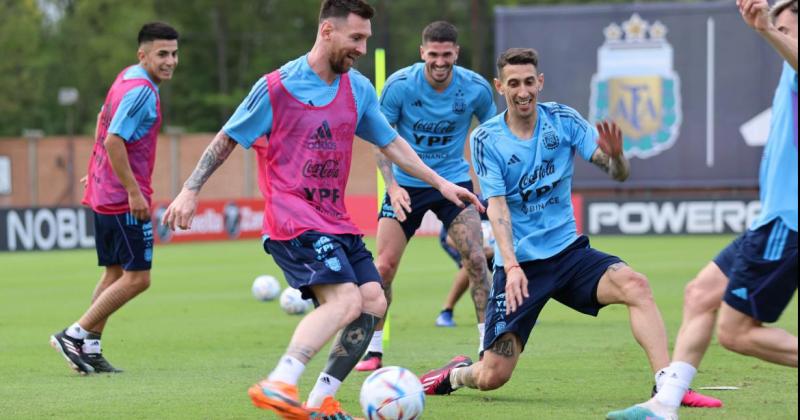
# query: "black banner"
45,229
674,216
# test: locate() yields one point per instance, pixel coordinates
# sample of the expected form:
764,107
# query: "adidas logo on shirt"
514,159
322,132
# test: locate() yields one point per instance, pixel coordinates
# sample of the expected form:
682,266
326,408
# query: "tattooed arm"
618,168
516,282
181,211
398,196
609,156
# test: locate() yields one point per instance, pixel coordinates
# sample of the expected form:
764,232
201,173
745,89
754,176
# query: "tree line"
225,46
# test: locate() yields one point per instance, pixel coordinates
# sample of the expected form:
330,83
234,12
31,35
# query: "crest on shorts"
333,264
637,87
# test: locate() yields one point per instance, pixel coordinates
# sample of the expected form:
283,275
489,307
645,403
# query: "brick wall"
52,187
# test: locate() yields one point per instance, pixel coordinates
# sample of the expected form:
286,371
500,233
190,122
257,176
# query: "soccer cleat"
445,319
371,361
70,348
695,399
99,363
635,413
329,410
278,397
437,381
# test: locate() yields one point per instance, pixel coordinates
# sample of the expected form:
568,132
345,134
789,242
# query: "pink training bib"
304,168
104,193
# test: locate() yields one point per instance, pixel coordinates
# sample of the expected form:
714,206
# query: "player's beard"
340,63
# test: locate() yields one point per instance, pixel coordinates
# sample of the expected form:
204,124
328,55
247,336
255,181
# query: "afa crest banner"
637,87
688,83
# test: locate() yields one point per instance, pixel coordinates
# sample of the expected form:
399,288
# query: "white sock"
481,333
376,344
660,378
288,370
675,382
326,385
91,346
76,331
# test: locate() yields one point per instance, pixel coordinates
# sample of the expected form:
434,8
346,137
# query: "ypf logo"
637,87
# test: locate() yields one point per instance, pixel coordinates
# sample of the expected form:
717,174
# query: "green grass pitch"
194,342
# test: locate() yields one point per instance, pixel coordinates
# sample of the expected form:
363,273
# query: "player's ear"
141,53
326,28
422,52
498,86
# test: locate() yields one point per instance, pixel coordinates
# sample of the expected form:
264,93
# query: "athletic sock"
92,346
376,343
675,383
481,333
77,332
288,370
660,378
455,381
326,385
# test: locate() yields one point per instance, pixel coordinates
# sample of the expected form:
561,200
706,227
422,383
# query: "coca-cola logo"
435,127
547,168
321,170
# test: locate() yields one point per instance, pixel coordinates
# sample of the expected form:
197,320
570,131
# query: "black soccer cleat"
99,363
71,349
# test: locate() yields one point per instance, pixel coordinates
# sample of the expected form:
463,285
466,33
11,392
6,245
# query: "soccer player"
118,189
431,104
310,110
524,161
754,278
461,280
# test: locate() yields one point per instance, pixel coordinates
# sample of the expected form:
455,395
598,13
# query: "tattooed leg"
494,370
465,231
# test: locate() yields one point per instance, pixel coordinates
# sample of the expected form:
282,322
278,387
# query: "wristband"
507,269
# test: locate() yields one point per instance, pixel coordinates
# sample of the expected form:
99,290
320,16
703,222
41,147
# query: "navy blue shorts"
570,277
315,258
422,200
761,266
121,239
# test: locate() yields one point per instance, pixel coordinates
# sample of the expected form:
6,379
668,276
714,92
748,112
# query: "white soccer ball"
292,302
392,393
266,288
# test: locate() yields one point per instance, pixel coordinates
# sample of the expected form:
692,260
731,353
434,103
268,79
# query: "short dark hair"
440,31
343,8
780,6
157,30
513,56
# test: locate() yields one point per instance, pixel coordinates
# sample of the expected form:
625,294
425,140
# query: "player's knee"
373,300
492,379
139,281
732,336
635,287
475,261
698,299
387,269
